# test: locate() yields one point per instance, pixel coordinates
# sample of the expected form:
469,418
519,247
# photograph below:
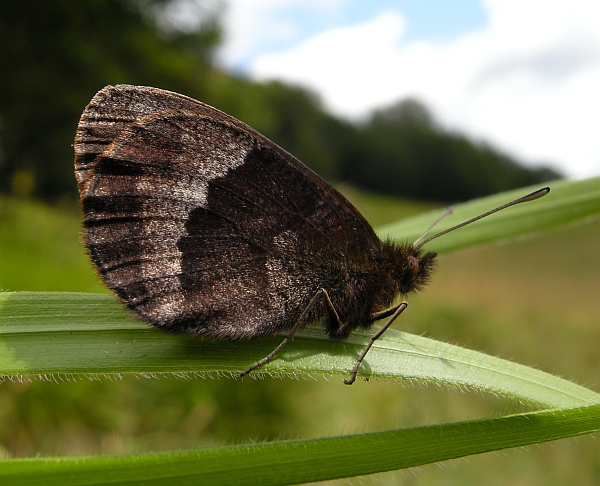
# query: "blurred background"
404,106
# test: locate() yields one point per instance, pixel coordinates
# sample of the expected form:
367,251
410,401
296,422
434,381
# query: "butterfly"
202,226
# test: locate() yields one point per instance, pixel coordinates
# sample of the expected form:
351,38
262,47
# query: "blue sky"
434,19
521,75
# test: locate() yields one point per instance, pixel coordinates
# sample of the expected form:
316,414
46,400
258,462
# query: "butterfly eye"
412,266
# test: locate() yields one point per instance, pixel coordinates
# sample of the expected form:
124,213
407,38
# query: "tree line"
55,55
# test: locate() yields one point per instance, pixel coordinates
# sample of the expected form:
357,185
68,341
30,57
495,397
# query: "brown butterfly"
203,226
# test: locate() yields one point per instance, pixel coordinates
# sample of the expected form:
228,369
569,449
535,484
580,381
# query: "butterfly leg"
333,315
299,324
394,311
376,316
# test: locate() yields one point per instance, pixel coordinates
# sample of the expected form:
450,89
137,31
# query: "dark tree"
56,54
406,154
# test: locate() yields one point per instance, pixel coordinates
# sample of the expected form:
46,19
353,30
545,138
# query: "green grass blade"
51,334
70,333
301,461
568,202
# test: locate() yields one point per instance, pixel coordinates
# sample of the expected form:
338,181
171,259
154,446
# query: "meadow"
533,301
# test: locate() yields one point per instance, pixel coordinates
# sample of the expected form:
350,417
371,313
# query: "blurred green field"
533,301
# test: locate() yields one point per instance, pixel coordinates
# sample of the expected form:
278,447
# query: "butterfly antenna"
529,197
433,225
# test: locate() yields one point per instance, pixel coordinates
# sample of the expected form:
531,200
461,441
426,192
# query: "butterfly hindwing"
202,225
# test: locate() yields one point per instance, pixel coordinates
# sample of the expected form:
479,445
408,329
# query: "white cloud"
527,82
341,63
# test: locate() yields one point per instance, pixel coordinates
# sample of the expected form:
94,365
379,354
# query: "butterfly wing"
202,225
